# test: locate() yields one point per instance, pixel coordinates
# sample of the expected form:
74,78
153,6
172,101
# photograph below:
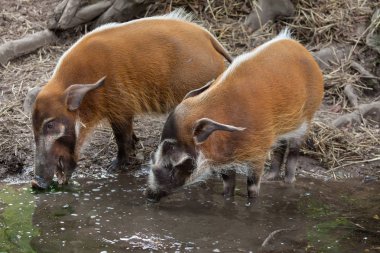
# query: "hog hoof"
289,180
228,193
118,165
39,183
270,176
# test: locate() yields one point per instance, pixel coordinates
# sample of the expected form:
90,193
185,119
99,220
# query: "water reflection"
111,215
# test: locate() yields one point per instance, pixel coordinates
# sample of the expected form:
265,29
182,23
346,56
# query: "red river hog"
266,96
113,73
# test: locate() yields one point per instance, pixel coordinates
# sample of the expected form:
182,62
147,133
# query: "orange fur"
149,66
270,94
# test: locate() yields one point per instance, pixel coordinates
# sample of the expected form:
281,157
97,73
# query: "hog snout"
62,174
154,196
39,183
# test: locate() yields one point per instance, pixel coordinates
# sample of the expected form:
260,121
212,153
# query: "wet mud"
112,215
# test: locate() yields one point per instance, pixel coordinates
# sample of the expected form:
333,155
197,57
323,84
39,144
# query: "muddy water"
111,215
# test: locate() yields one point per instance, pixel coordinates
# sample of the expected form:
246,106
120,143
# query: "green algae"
16,212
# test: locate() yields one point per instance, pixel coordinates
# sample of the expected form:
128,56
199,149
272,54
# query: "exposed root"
16,48
268,10
121,10
365,111
373,81
68,13
350,94
82,16
328,55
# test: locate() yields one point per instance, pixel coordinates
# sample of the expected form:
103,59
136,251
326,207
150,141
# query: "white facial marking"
45,121
179,158
51,138
159,158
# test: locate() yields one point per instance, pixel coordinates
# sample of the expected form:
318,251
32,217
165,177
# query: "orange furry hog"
114,73
264,97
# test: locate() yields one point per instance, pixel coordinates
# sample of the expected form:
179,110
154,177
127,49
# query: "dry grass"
316,24
336,148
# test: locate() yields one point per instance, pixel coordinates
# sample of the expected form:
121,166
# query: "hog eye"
50,125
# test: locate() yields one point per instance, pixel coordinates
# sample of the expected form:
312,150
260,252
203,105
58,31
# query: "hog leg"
276,162
125,140
229,183
292,160
254,178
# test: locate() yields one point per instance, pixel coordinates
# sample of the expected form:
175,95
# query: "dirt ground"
21,17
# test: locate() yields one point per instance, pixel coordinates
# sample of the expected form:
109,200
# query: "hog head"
173,164
56,129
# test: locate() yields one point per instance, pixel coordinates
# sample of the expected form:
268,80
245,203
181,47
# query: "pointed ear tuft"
76,92
203,128
30,99
195,92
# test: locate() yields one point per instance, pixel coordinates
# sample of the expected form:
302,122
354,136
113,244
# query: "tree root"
122,10
365,111
29,43
68,14
81,16
268,10
373,81
350,94
329,55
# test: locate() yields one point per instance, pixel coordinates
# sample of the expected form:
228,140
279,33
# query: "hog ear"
76,92
203,128
30,99
195,92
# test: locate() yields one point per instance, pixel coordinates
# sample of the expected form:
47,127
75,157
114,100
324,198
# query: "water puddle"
111,215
